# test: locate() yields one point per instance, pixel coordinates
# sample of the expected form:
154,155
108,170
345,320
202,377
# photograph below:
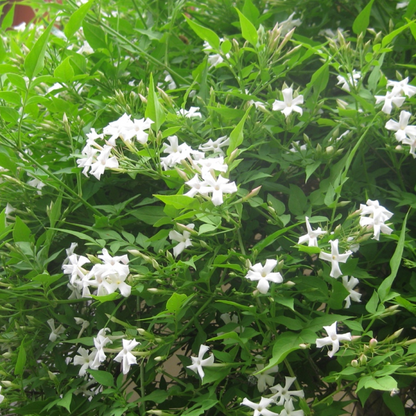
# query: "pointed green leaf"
34,61
64,72
237,136
205,33
8,19
21,231
154,109
21,359
75,21
248,30
395,261
388,38
102,377
363,19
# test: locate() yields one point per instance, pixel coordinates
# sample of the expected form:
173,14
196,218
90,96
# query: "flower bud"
153,290
141,331
373,342
304,346
160,358
355,363
362,359
155,264
252,194
7,354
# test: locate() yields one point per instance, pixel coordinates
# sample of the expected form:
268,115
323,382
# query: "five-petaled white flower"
53,336
312,235
289,104
192,112
264,275
125,357
389,99
264,379
199,362
183,239
377,216
283,394
350,81
215,146
289,410
85,359
402,129
260,408
349,285
334,257
332,339
402,87
217,187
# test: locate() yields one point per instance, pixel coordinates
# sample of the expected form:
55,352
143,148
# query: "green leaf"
372,304
363,19
75,21
205,34
298,203
154,109
95,36
251,11
248,30
395,261
8,18
64,72
66,401
237,136
102,377
81,236
283,346
21,231
177,201
175,302
107,298
394,403
10,97
320,79
34,61
388,38
386,383
21,359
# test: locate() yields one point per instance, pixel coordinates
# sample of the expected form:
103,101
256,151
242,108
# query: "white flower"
334,257
289,104
332,339
36,183
137,129
103,161
176,152
100,341
215,146
86,48
411,141
116,128
260,408
264,275
125,356
1,396
349,285
402,87
289,410
287,25
192,112
199,362
217,187
351,80
377,216
296,147
402,4
312,235
170,81
53,336
228,320
265,379
402,129
389,99
183,239
85,359
74,267
213,163
282,394
196,186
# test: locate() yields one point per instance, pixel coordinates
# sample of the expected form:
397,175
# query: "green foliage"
168,251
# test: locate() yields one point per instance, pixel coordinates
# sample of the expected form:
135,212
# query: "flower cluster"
105,277
93,359
96,157
394,97
374,216
282,397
